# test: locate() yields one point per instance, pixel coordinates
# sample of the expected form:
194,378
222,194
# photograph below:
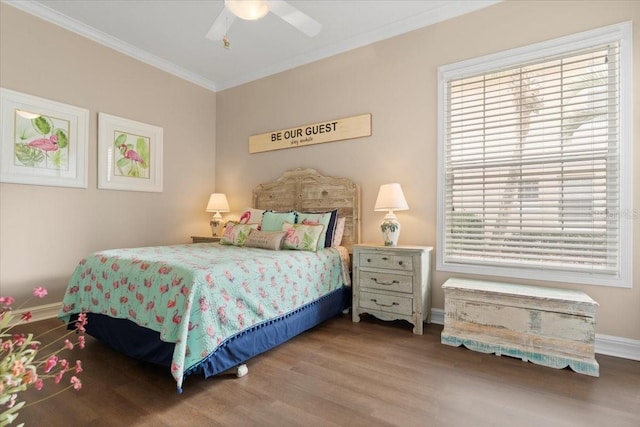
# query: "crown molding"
43,12
444,12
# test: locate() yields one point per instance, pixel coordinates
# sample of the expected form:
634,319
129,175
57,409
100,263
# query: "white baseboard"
618,347
437,316
605,344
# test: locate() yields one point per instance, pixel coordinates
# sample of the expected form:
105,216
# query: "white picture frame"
42,142
129,154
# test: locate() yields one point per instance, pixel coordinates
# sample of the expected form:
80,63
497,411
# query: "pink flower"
24,366
18,368
39,292
50,364
81,322
77,385
7,300
18,339
58,377
30,377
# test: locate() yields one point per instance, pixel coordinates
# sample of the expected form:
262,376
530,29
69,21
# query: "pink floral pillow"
301,237
236,234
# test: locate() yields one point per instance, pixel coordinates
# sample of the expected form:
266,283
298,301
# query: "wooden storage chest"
547,326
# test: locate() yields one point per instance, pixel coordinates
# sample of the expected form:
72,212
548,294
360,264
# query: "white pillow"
339,233
251,216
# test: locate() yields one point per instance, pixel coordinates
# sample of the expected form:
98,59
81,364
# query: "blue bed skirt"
144,344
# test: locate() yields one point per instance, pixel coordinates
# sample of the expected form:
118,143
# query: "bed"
206,308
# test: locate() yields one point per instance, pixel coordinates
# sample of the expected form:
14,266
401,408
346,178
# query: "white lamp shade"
248,9
391,198
218,203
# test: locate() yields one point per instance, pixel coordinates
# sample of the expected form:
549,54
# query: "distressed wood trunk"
546,326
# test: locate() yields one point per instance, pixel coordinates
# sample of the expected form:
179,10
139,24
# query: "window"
535,161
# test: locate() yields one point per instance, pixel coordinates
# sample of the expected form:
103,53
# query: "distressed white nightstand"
205,239
392,282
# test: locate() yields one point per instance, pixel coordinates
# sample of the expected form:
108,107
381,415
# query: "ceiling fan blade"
221,25
295,17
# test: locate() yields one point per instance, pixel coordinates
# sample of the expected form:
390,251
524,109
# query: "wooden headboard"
307,190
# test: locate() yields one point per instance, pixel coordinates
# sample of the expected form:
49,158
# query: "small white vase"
390,229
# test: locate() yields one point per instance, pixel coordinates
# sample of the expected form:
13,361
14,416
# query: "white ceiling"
170,34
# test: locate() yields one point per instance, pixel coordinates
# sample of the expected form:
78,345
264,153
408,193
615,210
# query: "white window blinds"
531,165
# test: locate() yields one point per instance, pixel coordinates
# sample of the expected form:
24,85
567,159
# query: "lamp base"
215,227
215,223
390,229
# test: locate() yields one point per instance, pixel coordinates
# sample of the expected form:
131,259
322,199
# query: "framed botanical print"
129,155
42,142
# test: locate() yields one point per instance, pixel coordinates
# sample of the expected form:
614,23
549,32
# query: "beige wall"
395,80
45,231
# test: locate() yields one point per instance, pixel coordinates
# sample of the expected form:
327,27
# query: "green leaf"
42,124
25,132
242,237
28,156
142,147
57,158
121,139
63,139
307,241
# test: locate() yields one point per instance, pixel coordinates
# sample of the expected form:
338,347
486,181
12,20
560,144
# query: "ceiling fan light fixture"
249,10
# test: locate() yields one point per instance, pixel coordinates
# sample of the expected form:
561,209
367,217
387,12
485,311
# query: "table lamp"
390,198
217,203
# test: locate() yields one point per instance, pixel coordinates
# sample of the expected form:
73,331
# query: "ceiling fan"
255,9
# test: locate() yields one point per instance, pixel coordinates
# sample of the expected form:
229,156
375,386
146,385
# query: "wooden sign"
316,133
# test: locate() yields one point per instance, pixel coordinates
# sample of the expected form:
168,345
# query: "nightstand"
205,239
392,282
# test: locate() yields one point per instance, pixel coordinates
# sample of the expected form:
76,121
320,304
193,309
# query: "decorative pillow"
265,240
328,219
272,221
301,237
337,235
251,216
236,234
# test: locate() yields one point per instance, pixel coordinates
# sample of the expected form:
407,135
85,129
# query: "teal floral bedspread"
199,295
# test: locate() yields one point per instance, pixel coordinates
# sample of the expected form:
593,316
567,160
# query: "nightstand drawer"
386,281
388,303
395,262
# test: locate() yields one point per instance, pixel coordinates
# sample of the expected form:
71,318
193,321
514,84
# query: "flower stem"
47,397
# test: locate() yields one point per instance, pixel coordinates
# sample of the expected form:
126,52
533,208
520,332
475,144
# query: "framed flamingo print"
129,155
42,142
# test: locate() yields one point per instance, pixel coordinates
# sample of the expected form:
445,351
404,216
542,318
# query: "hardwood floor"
341,373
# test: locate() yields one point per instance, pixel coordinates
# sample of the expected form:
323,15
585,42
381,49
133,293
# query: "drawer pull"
373,300
384,258
399,262
380,282
368,259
